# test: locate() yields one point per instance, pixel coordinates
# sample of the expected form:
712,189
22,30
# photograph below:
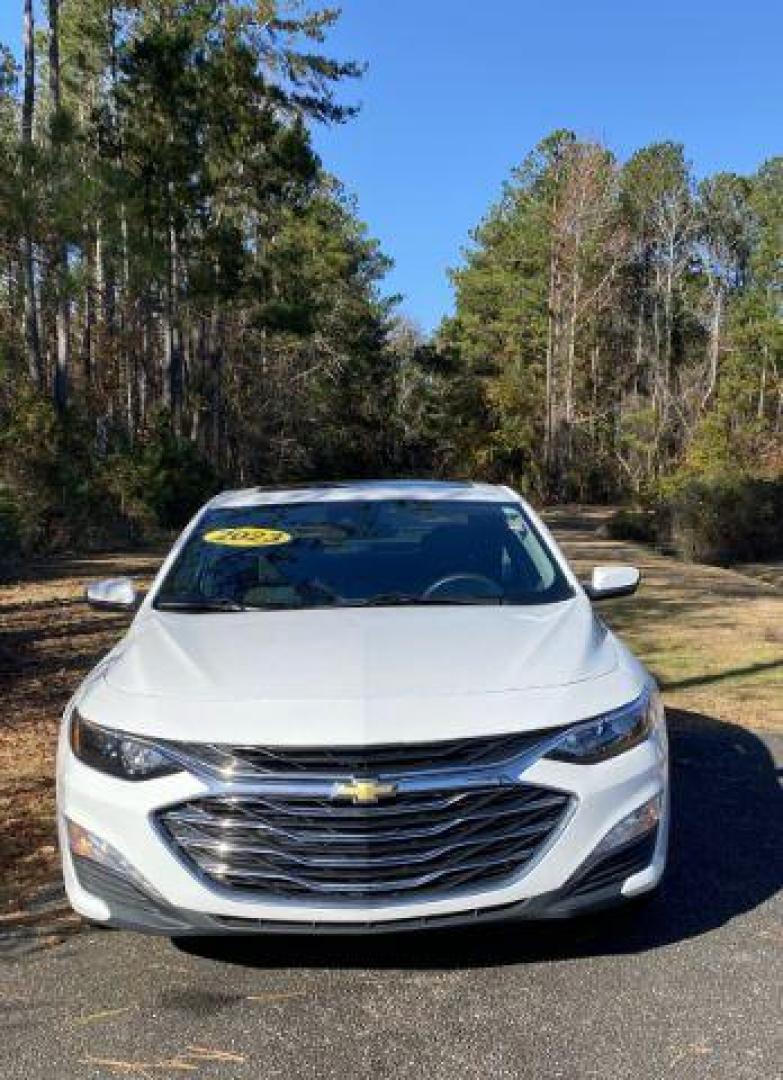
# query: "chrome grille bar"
475,872
238,762
369,856
278,843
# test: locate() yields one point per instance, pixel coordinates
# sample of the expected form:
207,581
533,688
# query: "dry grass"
714,638
772,573
49,640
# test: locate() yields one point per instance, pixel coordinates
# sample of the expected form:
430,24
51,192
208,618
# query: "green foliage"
177,259
221,300
173,479
10,533
723,519
635,525
620,322
65,486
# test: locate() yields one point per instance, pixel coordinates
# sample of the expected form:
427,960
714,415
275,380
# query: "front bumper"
555,885
596,887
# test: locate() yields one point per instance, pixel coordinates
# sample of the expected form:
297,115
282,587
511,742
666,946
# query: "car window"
342,553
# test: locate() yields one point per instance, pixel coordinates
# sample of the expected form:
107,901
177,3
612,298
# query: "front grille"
247,762
421,844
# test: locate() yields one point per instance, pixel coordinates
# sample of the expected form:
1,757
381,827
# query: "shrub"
638,526
723,519
10,538
66,485
175,478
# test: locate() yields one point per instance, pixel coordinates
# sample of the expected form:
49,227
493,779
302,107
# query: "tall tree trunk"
573,318
713,352
63,310
172,358
552,344
761,408
639,344
594,352
124,300
32,334
88,330
668,315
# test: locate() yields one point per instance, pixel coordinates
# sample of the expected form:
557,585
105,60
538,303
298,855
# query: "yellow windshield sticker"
247,536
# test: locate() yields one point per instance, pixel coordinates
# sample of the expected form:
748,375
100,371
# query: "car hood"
354,654
348,677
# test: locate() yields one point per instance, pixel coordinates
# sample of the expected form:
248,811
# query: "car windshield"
362,553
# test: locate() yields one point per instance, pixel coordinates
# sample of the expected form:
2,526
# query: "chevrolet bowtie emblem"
363,792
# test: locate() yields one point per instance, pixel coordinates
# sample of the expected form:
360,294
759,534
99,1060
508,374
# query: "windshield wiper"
408,600
200,604
206,605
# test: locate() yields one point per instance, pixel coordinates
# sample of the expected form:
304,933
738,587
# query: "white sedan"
362,707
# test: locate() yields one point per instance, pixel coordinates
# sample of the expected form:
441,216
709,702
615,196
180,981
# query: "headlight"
118,754
611,734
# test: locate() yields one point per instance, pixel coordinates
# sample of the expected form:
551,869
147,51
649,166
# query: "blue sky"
457,92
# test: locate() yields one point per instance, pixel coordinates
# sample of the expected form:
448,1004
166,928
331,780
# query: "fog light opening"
638,823
87,845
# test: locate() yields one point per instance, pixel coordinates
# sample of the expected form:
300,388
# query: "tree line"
621,321
177,270
189,300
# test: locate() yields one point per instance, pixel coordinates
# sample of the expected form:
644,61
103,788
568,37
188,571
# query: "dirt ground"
714,639
49,639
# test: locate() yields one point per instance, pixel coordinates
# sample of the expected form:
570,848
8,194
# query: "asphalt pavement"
690,986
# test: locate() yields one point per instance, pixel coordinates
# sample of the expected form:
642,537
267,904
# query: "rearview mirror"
610,581
112,594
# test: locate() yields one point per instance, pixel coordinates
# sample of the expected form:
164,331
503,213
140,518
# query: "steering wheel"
451,579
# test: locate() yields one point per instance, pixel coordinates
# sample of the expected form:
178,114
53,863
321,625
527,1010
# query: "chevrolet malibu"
362,707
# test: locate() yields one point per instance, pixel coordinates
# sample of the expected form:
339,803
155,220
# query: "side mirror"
611,581
112,594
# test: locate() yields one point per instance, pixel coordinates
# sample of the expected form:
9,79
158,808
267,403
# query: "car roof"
370,490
